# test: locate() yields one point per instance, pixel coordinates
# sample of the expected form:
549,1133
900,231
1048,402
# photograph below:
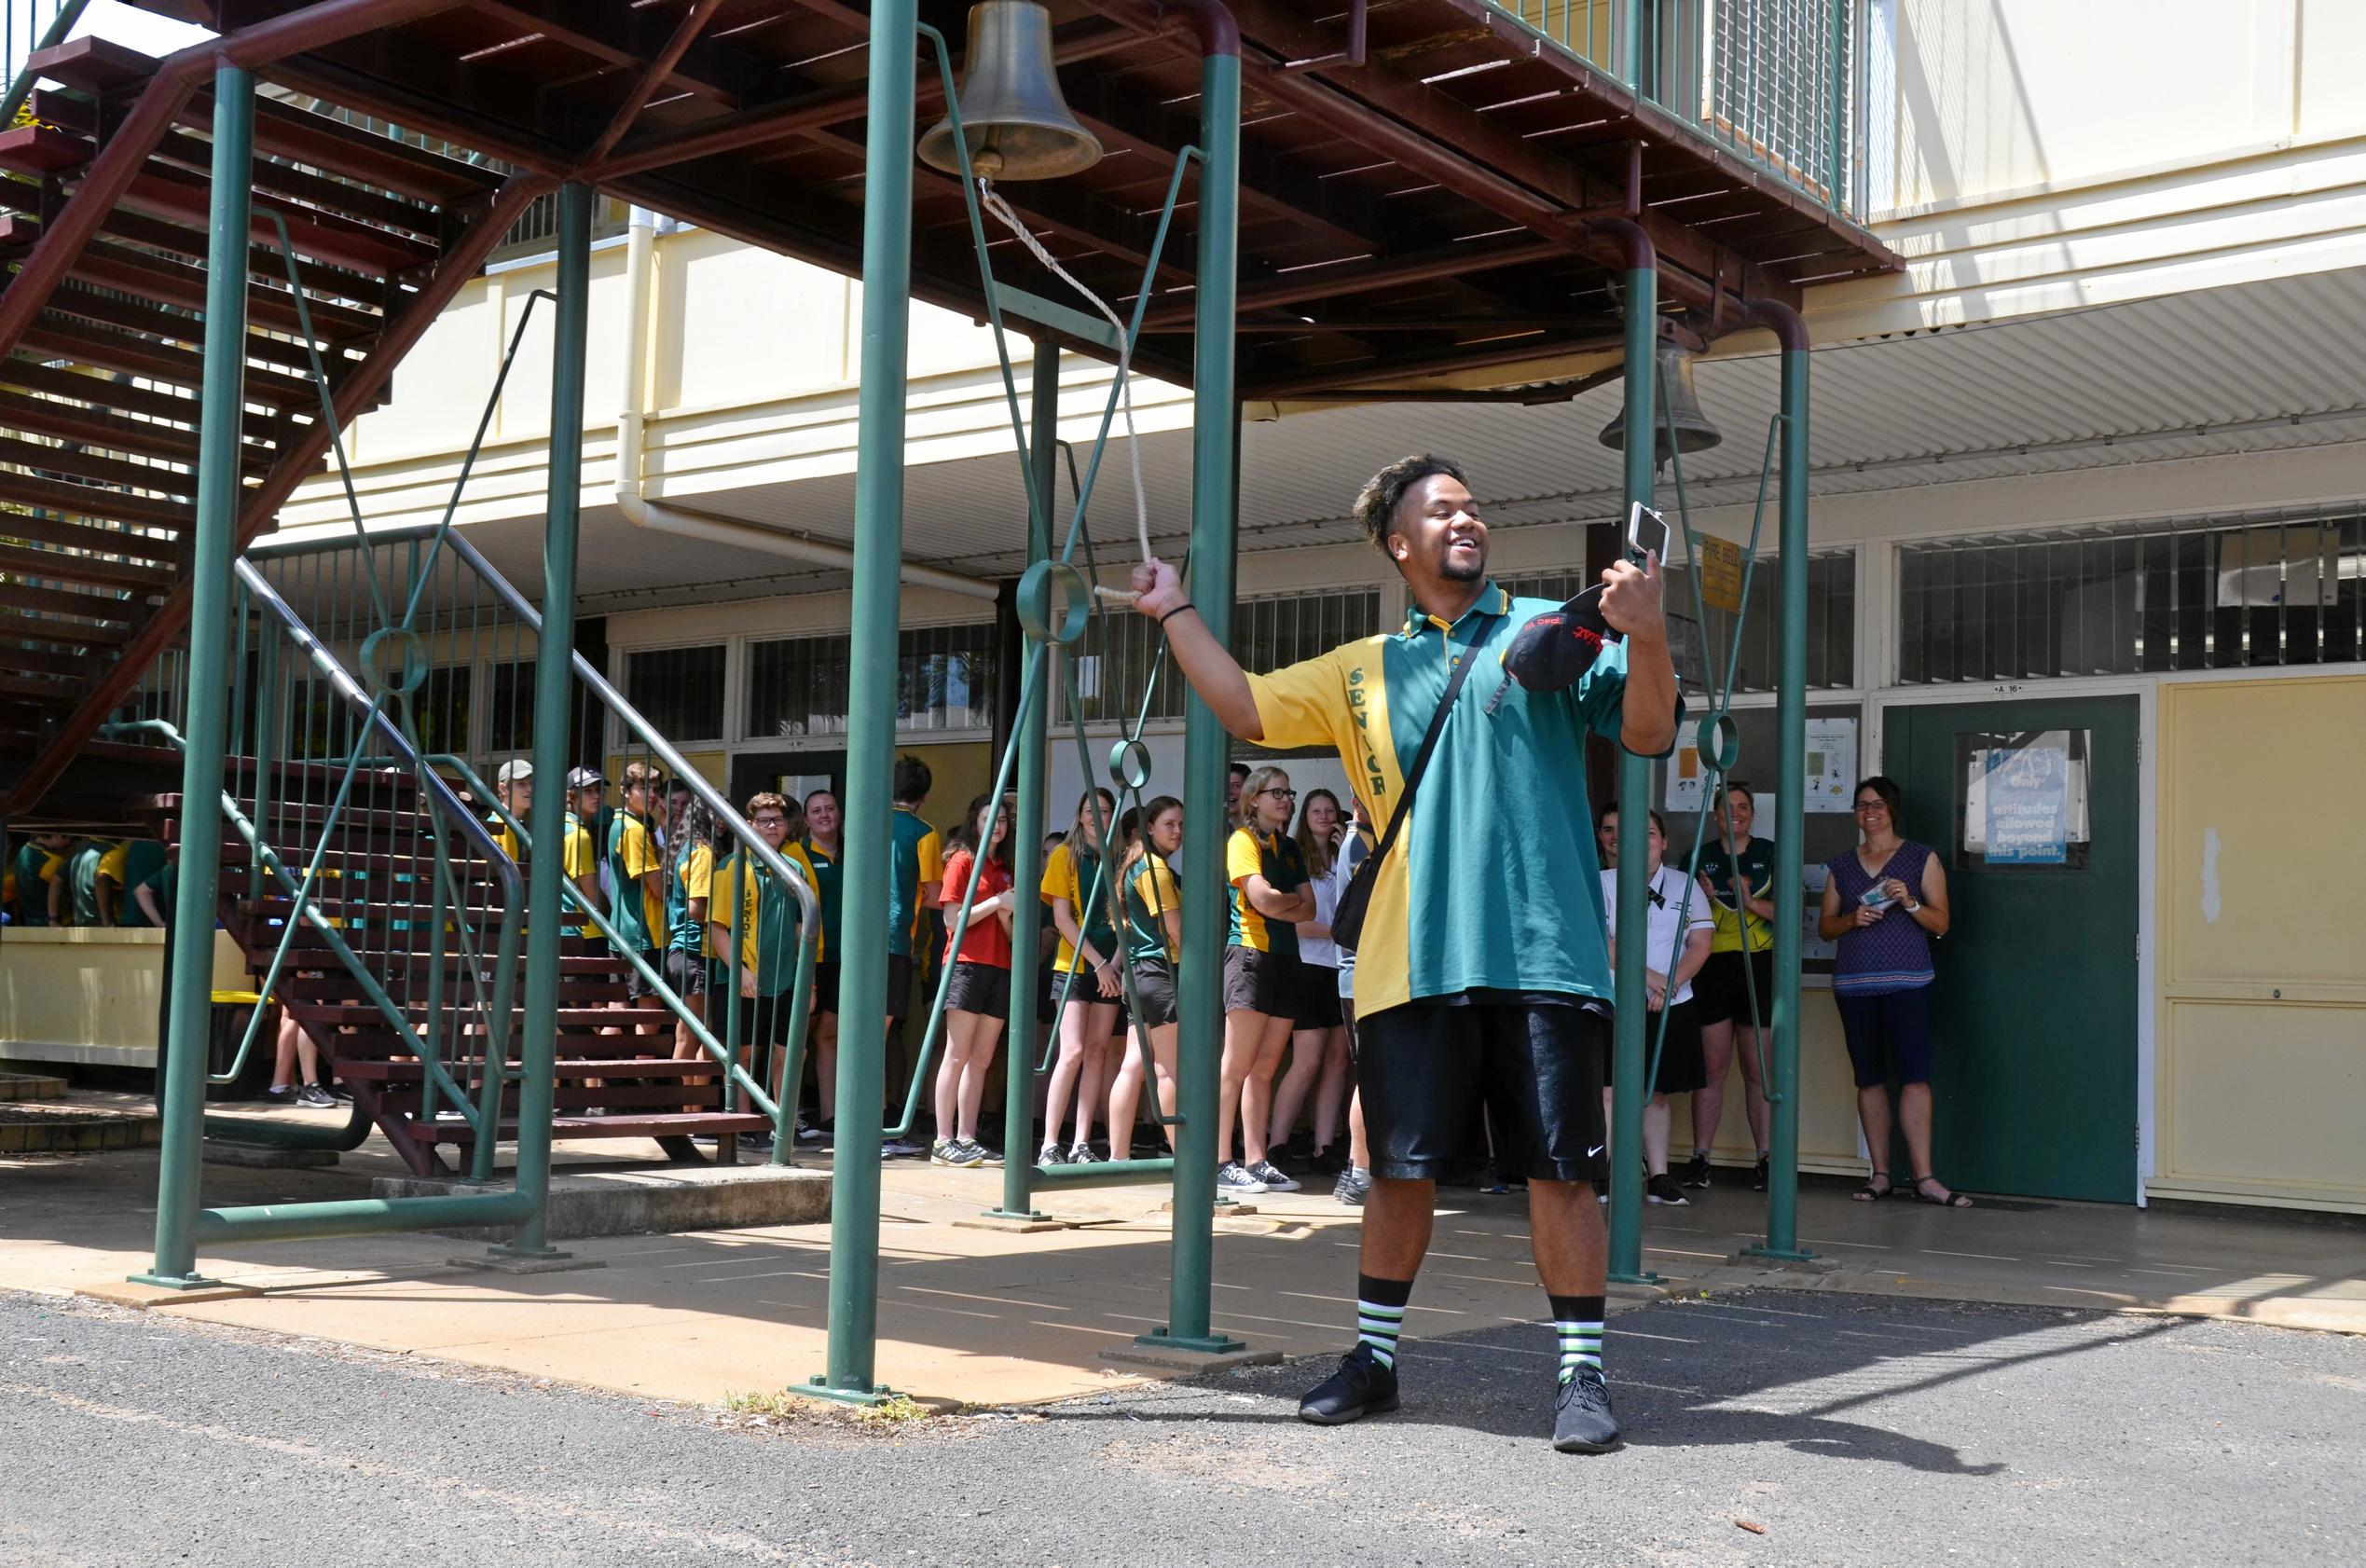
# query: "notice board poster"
2028,804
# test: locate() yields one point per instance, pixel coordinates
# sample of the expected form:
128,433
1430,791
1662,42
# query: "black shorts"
1317,997
979,989
825,987
1086,992
686,972
765,1021
1891,1028
1424,1068
1721,988
1260,982
899,984
1154,988
1682,1069
635,986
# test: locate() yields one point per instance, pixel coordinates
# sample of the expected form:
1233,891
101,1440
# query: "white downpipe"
682,522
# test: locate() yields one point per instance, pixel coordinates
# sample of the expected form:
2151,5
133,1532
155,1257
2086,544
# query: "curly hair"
1376,504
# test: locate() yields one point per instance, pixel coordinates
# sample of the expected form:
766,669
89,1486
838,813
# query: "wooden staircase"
101,362
617,1076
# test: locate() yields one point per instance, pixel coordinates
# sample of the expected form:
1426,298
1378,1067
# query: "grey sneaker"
1272,1177
1231,1181
1081,1154
1050,1154
1582,1421
314,1097
1353,1187
964,1154
941,1153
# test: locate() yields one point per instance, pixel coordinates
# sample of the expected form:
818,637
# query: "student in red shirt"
978,1000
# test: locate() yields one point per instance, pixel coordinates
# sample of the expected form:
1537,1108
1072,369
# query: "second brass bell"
1017,125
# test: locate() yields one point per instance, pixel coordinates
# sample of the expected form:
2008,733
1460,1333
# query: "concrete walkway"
982,1316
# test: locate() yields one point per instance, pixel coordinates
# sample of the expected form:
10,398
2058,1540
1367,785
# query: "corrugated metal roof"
2266,365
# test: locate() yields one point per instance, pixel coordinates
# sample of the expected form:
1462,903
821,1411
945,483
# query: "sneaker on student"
1758,1177
1361,1387
313,1095
277,1099
1353,1187
1050,1154
338,1093
1272,1177
756,1143
941,1152
1232,1181
1081,1154
898,1148
1696,1171
984,1156
1582,1421
967,1154
1662,1188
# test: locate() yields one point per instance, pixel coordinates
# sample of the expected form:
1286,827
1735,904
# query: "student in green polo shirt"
820,851
1482,970
769,916
122,869
1740,972
637,876
690,872
40,861
80,898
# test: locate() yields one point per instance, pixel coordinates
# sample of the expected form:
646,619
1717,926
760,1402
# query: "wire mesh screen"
2202,596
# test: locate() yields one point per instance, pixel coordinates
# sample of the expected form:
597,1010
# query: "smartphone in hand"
1646,534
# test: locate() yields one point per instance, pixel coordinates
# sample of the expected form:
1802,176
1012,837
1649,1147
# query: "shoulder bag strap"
1420,758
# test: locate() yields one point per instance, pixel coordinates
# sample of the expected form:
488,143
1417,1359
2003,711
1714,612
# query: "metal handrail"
485,1116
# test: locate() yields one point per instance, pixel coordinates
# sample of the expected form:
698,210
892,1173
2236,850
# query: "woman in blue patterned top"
1883,901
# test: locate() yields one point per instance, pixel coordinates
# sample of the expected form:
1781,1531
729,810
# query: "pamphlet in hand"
1876,896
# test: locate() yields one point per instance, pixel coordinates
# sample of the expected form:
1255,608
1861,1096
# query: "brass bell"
1682,405
1012,116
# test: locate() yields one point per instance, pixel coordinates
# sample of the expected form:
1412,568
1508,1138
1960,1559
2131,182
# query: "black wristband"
1179,610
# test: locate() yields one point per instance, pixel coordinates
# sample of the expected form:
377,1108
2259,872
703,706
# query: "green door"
2033,807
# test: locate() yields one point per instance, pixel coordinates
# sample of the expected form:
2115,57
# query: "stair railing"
474,711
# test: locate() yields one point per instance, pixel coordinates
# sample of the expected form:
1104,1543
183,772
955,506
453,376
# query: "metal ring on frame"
411,674
1036,599
1718,741
1130,765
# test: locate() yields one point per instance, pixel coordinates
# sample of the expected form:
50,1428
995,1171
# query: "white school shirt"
1670,887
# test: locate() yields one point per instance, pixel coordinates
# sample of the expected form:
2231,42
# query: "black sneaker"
1361,1387
1696,1171
1353,1187
276,1099
1662,1188
313,1095
1081,1154
1582,1421
341,1094
1758,1177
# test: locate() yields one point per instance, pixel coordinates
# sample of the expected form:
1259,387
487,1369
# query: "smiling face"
822,816
1322,816
1606,838
1741,816
1437,534
1087,833
1873,814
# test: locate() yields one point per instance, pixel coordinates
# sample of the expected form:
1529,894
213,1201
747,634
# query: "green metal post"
1206,748
1630,68
190,978
1791,820
871,727
553,688
1628,1049
1026,830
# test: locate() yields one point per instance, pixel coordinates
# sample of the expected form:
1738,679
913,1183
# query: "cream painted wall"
2261,1075
87,995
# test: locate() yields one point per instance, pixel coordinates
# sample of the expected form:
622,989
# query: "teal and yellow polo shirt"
1493,883
1278,859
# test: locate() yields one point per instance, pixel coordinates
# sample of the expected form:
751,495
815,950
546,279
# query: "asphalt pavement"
1775,1427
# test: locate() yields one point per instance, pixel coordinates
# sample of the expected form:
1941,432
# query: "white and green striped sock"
1578,1321
1380,1315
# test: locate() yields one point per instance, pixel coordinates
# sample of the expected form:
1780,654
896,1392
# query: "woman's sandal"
1869,1193
1923,1186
